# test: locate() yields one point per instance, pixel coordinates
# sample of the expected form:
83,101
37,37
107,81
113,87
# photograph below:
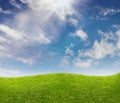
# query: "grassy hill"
60,88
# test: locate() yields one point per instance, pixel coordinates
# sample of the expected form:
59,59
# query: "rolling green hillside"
60,88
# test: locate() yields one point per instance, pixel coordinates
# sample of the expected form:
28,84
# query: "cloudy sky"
49,36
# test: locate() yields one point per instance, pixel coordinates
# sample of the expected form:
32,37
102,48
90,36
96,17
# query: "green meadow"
60,88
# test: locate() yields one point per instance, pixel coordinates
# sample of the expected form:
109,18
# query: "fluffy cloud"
65,61
10,33
109,11
2,39
9,72
118,35
39,24
104,13
11,39
82,63
47,16
15,4
5,11
73,21
69,50
100,50
81,34
108,46
117,64
52,7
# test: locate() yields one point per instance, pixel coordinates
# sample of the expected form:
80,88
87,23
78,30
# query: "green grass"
60,88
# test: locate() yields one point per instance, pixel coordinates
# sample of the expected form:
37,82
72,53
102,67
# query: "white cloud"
104,13
116,26
73,21
2,48
29,60
69,50
65,61
109,11
100,50
118,44
2,39
18,41
81,34
116,64
15,4
9,72
23,1
5,11
108,36
82,63
118,35
46,14
37,25
109,45
13,34
52,7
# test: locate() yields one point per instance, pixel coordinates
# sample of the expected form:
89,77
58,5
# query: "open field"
60,88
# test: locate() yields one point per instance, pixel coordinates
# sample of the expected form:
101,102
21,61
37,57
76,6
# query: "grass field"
60,88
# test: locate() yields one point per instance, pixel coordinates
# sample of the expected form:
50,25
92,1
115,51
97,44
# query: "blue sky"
49,36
